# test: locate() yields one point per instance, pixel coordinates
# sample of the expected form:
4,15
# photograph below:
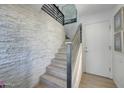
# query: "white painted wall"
70,29
91,19
77,73
118,58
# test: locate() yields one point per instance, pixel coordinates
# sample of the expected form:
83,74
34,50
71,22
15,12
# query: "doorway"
98,49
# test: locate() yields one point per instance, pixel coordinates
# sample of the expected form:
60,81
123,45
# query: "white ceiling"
88,9
36,7
83,9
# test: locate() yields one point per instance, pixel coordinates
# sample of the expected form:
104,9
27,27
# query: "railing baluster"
80,33
54,12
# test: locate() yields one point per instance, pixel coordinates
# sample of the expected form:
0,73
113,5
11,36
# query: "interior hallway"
90,81
94,81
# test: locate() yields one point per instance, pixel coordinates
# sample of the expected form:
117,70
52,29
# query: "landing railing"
72,48
54,12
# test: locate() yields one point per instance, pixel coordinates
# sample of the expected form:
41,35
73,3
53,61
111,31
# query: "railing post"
69,64
80,33
63,20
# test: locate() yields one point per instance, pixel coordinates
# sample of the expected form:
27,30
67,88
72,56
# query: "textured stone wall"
28,41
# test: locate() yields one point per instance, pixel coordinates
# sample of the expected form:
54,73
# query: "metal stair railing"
54,11
72,48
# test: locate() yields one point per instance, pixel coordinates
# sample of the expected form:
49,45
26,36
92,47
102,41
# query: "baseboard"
97,75
116,83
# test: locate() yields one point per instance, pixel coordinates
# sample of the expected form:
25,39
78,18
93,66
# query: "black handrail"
54,12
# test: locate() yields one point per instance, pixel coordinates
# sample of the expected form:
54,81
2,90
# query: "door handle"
86,49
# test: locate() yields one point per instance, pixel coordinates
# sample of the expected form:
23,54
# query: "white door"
98,55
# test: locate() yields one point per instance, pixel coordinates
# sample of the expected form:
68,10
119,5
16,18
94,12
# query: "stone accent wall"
28,41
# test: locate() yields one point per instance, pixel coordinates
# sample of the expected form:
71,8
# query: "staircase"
57,75
56,72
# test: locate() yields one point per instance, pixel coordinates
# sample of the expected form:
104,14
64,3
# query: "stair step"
52,81
56,72
59,65
53,67
63,50
63,44
61,55
62,74
59,61
41,85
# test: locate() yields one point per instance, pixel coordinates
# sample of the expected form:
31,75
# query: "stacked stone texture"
29,40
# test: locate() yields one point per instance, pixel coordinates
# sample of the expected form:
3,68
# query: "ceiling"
36,7
88,9
83,9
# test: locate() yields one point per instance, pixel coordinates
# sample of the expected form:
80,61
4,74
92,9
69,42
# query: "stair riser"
57,69
57,62
61,60
61,54
63,46
62,50
59,65
61,57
